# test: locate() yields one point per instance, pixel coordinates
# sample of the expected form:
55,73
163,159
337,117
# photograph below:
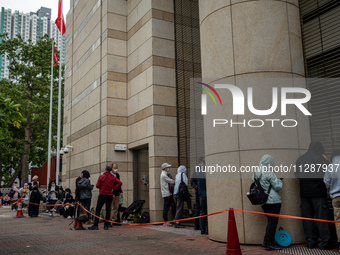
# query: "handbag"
256,194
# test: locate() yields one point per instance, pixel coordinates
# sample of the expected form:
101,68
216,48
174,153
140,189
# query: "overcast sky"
33,5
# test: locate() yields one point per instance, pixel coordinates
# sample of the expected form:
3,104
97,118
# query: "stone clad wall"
252,39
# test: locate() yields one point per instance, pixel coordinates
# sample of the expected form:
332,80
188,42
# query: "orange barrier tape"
155,223
285,216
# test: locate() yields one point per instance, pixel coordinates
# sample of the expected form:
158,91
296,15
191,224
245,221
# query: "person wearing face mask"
116,194
166,194
53,190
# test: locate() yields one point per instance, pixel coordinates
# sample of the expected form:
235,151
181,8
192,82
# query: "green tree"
28,85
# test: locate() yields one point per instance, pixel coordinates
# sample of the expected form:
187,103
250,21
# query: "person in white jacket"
166,193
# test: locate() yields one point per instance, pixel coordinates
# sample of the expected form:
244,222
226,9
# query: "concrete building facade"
127,96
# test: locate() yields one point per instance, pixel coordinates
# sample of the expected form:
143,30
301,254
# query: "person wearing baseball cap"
166,181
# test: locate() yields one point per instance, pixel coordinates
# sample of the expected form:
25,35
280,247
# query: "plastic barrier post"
19,211
78,225
233,244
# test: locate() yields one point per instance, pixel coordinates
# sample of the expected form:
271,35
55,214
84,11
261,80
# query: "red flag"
55,57
57,21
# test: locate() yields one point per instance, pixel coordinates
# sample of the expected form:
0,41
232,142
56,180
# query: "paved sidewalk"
47,235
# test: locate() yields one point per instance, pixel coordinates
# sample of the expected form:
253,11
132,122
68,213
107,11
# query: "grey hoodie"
180,170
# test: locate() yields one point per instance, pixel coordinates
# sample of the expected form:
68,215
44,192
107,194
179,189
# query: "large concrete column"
241,42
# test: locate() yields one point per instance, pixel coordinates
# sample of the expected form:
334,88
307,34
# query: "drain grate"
304,251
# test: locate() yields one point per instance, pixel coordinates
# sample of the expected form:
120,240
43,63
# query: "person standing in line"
202,194
115,197
85,190
165,180
313,193
15,196
33,208
181,175
106,184
332,181
272,185
194,185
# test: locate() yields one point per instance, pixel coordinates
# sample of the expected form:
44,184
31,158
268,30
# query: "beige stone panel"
217,55
116,107
132,4
82,9
163,5
85,104
164,76
294,2
115,64
156,200
209,7
93,59
296,49
140,129
117,134
140,55
138,12
115,156
94,138
116,6
303,120
164,125
163,29
140,82
88,28
115,89
117,22
77,160
88,157
86,119
140,101
116,47
129,181
92,37
154,179
257,49
162,47
164,146
87,80
96,155
221,199
142,35
104,108
164,96
80,145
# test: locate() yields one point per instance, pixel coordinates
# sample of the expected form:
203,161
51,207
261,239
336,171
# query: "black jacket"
77,189
85,187
117,192
311,182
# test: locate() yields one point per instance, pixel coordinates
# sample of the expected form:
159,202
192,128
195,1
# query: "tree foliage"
28,85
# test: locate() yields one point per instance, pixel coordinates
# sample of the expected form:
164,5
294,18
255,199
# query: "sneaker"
106,227
177,225
271,247
69,217
168,224
93,227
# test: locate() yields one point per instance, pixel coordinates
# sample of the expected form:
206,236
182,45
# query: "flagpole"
50,124
59,98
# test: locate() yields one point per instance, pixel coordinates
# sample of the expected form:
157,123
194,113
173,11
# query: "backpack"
256,194
11,193
144,218
183,188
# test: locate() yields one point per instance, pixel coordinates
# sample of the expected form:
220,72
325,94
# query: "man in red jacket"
106,184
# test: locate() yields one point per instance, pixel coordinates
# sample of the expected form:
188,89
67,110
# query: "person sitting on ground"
7,200
53,190
24,193
68,209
